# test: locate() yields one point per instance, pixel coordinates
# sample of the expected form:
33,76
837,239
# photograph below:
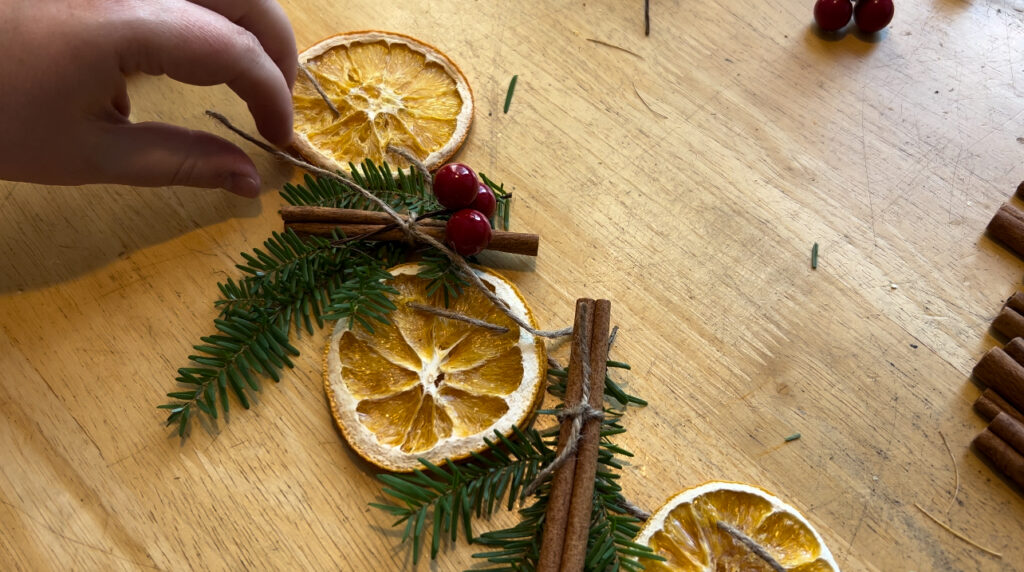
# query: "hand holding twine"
407,225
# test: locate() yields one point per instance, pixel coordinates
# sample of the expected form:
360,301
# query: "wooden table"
685,180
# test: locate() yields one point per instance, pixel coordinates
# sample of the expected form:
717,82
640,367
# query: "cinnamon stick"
557,512
989,404
1007,226
1009,322
502,241
1016,302
1009,430
581,508
999,371
1003,456
1015,349
302,213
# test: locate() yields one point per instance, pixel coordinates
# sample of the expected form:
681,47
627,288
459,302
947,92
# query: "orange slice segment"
431,387
389,89
717,526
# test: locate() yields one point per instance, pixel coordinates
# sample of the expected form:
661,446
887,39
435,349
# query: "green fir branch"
503,202
613,391
610,543
442,274
453,494
292,284
406,192
437,495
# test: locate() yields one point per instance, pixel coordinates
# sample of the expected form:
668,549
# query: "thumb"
156,154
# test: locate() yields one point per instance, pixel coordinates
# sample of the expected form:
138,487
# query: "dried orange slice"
721,526
389,89
433,387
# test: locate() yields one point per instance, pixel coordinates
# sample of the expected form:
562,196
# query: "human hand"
64,106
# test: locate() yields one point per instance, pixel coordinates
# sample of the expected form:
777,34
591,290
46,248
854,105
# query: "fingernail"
243,185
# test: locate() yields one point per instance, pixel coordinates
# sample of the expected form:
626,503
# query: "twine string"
457,316
408,226
751,545
578,414
320,90
412,159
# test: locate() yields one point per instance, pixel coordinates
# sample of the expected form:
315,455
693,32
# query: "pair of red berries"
457,188
870,15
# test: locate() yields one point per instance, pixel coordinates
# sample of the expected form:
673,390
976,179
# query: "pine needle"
956,471
511,90
614,47
957,534
647,105
647,17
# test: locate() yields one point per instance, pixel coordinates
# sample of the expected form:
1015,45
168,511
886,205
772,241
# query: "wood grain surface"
686,182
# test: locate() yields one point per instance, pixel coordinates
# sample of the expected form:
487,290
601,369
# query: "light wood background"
695,216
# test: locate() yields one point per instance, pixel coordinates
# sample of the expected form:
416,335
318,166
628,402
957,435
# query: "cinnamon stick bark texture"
1009,430
341,216
1009,323
1016,302
581,508
1015,349
990,404
502,241
1003,457
1000,372
1007,226
557,513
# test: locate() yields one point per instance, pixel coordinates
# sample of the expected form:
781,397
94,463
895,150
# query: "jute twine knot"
583,411
578,413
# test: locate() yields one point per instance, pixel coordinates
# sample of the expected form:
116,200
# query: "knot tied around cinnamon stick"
572,472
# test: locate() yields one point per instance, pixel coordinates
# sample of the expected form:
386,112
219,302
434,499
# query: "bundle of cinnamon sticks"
1001,370
379,226
567,520
1007,226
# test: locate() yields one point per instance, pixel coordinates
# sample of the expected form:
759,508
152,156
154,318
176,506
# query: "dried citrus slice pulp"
389,89
433,387
692,533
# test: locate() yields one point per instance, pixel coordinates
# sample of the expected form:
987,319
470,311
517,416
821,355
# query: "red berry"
873,15
832,15
484,201
455,185
468,232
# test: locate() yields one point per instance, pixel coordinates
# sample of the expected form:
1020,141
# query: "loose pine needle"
613,46
792,437
648,105
956,471
647,17
511,90
957,534
814,256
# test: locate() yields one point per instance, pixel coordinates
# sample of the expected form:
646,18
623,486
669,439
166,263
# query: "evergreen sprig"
453,494
449,496
293,284
610,543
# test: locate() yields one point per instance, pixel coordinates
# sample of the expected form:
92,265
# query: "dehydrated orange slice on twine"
722,526
388,89
433,387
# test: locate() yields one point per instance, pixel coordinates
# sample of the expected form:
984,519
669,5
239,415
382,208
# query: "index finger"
195,45
269,23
